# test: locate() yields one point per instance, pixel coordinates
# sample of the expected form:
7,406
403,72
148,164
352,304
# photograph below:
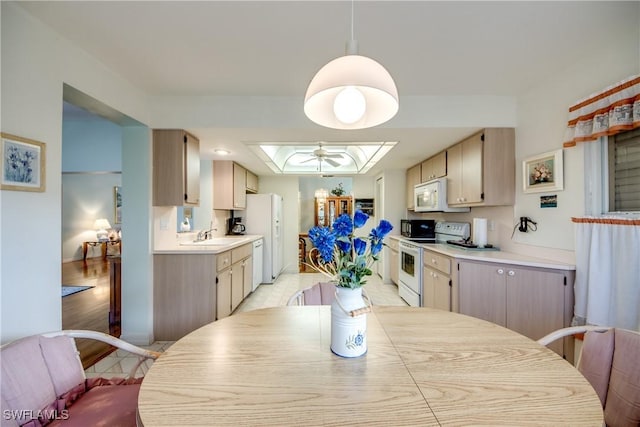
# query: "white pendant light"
351,92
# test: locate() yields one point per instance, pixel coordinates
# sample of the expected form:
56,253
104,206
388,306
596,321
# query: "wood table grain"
423,367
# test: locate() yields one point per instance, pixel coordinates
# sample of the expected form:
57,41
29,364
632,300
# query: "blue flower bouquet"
341,256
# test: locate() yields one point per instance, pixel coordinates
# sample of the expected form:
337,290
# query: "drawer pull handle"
500,271
511,273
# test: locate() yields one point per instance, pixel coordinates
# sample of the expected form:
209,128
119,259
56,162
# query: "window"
623,171
612,174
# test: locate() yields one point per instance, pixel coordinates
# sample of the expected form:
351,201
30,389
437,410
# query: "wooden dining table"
423,367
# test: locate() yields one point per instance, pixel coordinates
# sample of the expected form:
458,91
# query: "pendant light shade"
351,92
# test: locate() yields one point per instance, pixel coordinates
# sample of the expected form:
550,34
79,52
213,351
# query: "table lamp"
102,225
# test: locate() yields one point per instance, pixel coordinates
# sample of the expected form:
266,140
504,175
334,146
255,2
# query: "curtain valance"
613,110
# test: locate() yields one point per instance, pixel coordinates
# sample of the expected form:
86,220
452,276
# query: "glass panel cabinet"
327,210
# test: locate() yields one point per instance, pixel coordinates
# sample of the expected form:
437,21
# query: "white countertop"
497,256
234,242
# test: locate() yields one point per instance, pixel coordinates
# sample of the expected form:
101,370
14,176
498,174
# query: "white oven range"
410,275
411,252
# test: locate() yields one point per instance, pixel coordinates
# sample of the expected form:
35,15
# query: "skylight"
321,157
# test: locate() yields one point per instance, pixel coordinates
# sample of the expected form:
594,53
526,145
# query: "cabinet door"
192,170
394,266
454,174
472,169
535,302
436,290
239,187
184,295
413,178
252,182
224,293
247,275
434,167
176,168
483,291
237,284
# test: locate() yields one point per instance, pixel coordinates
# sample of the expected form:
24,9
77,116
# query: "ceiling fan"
321,155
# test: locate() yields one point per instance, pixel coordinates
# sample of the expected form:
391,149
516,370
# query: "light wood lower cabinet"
436,281
394,260
528,300
184,294
235,276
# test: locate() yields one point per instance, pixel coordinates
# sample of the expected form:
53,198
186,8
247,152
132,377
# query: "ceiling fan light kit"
351,92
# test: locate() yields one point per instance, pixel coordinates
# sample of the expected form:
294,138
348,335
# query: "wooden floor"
87,309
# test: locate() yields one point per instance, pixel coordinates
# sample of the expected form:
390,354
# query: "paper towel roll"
480,232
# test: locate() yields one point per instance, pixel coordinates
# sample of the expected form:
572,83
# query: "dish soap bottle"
185,226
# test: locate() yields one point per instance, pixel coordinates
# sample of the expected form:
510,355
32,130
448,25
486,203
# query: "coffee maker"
235,226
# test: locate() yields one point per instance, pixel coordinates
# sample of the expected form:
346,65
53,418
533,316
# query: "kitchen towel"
480,232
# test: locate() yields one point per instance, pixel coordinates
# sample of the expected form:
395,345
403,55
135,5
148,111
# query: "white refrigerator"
263,215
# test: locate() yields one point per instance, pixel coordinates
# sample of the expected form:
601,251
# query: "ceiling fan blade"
308,160
332,163
334,156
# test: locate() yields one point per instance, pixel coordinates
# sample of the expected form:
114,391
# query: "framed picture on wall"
23,164
117,204
543,172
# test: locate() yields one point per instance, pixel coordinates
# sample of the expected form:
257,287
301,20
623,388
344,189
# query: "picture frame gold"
117,204
543,172
23,164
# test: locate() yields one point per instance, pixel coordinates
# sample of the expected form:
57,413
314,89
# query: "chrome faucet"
206,234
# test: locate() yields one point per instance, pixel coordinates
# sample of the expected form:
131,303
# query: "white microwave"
431,196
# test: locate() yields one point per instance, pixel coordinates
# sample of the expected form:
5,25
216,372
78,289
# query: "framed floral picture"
543,172
117,204
23,164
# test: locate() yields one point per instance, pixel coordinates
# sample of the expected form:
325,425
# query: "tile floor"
119,363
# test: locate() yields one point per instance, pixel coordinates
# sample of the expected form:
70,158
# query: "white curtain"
607,287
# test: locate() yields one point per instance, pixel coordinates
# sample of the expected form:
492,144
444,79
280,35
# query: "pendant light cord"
352,38
352,44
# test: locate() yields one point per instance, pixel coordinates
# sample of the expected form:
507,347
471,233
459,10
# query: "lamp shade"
351,78
101,225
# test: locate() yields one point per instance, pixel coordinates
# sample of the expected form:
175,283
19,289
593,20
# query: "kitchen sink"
216,241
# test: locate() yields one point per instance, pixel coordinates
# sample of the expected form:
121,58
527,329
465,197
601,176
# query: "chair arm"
571,330
111,340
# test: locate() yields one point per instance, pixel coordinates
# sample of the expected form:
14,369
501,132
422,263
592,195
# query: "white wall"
35,64
91,167
542,118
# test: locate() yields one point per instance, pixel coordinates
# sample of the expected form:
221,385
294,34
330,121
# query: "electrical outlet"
164,224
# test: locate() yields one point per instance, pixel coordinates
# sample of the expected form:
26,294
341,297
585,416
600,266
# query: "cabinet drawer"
437,261
240,253
223,260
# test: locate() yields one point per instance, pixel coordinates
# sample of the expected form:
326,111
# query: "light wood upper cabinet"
176,168
414,177
434,167
252,182
229,185
481,169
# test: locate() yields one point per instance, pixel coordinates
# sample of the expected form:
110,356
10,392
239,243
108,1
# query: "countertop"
234,242
497,256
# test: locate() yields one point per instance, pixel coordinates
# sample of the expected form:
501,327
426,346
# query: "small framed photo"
543,172
117,204
23,164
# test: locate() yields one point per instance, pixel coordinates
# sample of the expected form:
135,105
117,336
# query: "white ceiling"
268,48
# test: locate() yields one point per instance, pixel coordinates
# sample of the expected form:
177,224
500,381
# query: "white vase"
348,333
